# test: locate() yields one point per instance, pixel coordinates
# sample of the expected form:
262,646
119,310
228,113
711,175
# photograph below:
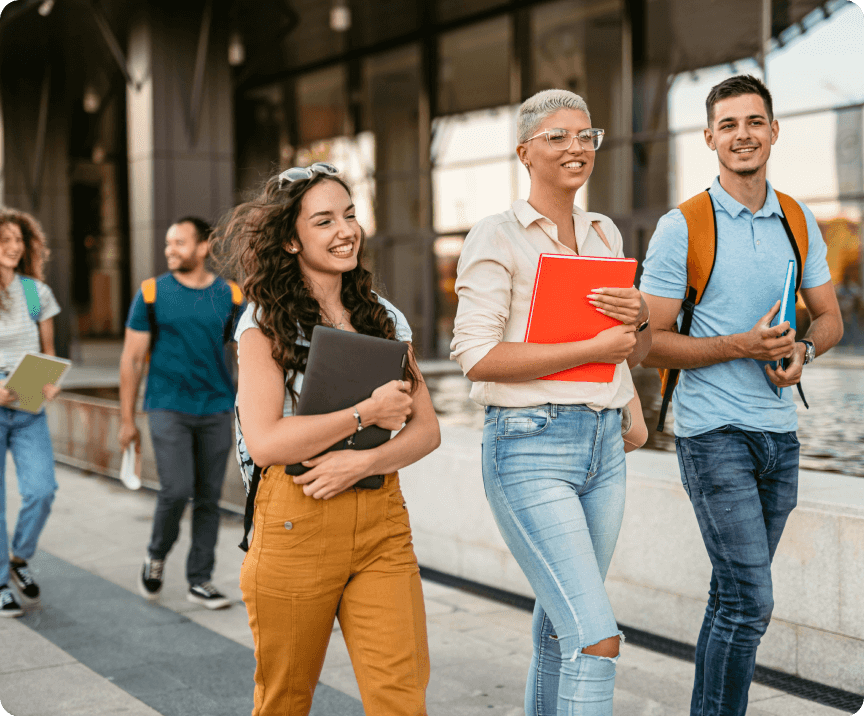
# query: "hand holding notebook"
561,311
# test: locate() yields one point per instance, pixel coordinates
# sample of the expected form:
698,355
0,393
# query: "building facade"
119,117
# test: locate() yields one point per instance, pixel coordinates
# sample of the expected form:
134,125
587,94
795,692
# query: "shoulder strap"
249,512
148,290
236,303
699,214
701,221
148,293
31,295
236,293
795,224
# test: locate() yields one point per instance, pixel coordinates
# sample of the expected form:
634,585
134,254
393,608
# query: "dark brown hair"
250,244
36,250
735,87
202,227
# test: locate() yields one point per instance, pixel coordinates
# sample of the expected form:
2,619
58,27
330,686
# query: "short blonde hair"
540,106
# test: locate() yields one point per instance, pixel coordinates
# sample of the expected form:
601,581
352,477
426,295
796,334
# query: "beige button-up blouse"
495,280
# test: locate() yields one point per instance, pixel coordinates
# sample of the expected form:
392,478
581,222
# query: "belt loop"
554,410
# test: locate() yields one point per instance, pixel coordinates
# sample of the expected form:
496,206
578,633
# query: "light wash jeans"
27,436
555,479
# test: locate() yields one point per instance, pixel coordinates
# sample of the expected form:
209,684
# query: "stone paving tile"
786,704
30,651
66,689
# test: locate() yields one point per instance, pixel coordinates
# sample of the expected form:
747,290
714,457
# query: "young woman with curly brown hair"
324,548
27,308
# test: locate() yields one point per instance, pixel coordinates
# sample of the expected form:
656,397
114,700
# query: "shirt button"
288,525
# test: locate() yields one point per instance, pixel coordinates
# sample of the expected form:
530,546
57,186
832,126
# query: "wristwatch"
809,351
644,324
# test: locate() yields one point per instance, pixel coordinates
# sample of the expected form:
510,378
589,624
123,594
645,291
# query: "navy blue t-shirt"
188,371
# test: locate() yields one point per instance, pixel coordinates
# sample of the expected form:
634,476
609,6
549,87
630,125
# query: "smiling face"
183,250
327,231
742,135
11,245
554,168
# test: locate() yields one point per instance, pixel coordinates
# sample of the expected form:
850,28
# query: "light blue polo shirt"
753,252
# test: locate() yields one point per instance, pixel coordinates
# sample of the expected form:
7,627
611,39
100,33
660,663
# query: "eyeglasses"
295,173
561,139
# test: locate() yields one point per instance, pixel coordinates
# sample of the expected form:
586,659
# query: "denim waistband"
554,408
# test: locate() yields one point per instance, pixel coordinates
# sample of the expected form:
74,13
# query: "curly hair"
250,244
36,250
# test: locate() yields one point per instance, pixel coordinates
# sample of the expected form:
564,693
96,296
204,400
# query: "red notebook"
561,311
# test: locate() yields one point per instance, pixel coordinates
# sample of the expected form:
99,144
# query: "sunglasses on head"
295,173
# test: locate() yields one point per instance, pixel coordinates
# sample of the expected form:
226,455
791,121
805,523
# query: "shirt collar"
527,215
733,207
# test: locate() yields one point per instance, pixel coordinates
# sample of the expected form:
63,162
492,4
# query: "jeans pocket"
524,424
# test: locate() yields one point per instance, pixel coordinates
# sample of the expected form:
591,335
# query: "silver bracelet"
359,422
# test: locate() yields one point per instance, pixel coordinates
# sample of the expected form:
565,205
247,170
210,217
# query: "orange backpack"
701,220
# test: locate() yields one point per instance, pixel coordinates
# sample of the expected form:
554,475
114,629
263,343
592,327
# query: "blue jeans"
555,478
743,485
27,436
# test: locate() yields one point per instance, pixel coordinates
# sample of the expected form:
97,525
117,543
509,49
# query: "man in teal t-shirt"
189,400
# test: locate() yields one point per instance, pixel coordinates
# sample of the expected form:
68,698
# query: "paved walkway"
95,647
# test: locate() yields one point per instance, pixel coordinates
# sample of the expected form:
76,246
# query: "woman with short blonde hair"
553,455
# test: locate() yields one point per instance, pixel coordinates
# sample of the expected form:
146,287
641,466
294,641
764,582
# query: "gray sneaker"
208,596
9,606
150,578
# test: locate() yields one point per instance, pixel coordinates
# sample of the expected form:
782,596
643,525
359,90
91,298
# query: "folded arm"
276,440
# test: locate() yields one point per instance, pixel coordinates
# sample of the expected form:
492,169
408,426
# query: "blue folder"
786,313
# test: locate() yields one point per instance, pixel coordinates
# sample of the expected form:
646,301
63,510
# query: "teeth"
342,250
573,165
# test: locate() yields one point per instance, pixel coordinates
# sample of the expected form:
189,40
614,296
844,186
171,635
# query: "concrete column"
180,122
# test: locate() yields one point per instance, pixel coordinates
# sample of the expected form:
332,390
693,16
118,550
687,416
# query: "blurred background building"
119,117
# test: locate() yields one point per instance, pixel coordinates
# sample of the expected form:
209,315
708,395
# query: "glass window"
474,67
447,10
321,105
260,135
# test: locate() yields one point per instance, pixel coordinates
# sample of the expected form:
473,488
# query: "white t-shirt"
248,321
19,333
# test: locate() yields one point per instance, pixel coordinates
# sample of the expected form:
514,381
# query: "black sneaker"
208,596
24,581
9,606
150,578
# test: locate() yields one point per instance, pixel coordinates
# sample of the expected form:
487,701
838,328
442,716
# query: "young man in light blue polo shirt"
735,437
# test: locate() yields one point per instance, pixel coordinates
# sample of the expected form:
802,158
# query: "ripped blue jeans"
555,480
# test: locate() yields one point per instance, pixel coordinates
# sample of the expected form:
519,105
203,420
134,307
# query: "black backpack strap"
799,276
688,307
228,334
250,508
